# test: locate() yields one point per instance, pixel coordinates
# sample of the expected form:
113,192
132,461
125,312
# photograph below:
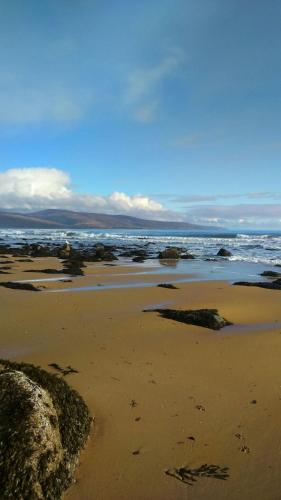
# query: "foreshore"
164,394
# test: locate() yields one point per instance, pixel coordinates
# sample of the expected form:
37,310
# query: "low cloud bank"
38,188
32,189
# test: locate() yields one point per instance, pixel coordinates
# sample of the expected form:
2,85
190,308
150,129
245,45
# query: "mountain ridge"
59,219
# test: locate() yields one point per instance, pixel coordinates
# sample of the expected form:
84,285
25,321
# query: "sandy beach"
163,394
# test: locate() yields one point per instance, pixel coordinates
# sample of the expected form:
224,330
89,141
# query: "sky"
166,109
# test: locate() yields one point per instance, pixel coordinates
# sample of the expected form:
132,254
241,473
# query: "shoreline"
168,370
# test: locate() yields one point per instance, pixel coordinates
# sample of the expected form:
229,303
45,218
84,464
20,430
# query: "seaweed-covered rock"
138,258
208,318
168,285
15,285
273,285
271,274
43,426
30,443
170,253
73,266
44,271
64,251
224,253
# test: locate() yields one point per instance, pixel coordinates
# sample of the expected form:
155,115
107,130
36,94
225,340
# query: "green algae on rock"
44,425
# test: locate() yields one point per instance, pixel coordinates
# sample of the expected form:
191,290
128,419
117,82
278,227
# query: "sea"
252,251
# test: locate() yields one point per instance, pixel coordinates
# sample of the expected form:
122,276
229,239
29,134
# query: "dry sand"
144,376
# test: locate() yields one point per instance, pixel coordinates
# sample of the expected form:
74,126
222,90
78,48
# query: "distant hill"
52,219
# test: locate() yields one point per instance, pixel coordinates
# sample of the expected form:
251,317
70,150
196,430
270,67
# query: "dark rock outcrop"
44,271
224,253
168,285
271,274
169,253
43,426
73,266
65,251
273,285
14,285
208,318
187,256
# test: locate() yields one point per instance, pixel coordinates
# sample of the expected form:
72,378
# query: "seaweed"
63,371
190,476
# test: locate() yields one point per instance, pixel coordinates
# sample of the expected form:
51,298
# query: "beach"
163,394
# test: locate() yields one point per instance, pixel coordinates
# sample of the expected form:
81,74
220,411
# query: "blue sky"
166,109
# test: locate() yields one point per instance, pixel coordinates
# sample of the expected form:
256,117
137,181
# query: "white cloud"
247,215
40,188
143,81
143,86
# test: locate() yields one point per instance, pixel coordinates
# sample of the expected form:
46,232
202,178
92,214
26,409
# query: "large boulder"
43,426
224,253
169,253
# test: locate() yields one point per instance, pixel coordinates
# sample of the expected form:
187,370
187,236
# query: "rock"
99,253
44,271
224,253
208,318
29,428
169,253
64,251
43,426
168,285
14,285
138,259
273,285
268,274
74,264
187,256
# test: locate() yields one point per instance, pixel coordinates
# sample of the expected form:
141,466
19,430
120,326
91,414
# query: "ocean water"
260,247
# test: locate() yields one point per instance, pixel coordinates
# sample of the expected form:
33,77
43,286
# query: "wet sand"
153,384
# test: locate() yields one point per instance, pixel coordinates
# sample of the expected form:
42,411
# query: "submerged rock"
43,426
208,318
224,253
20,286
273,285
